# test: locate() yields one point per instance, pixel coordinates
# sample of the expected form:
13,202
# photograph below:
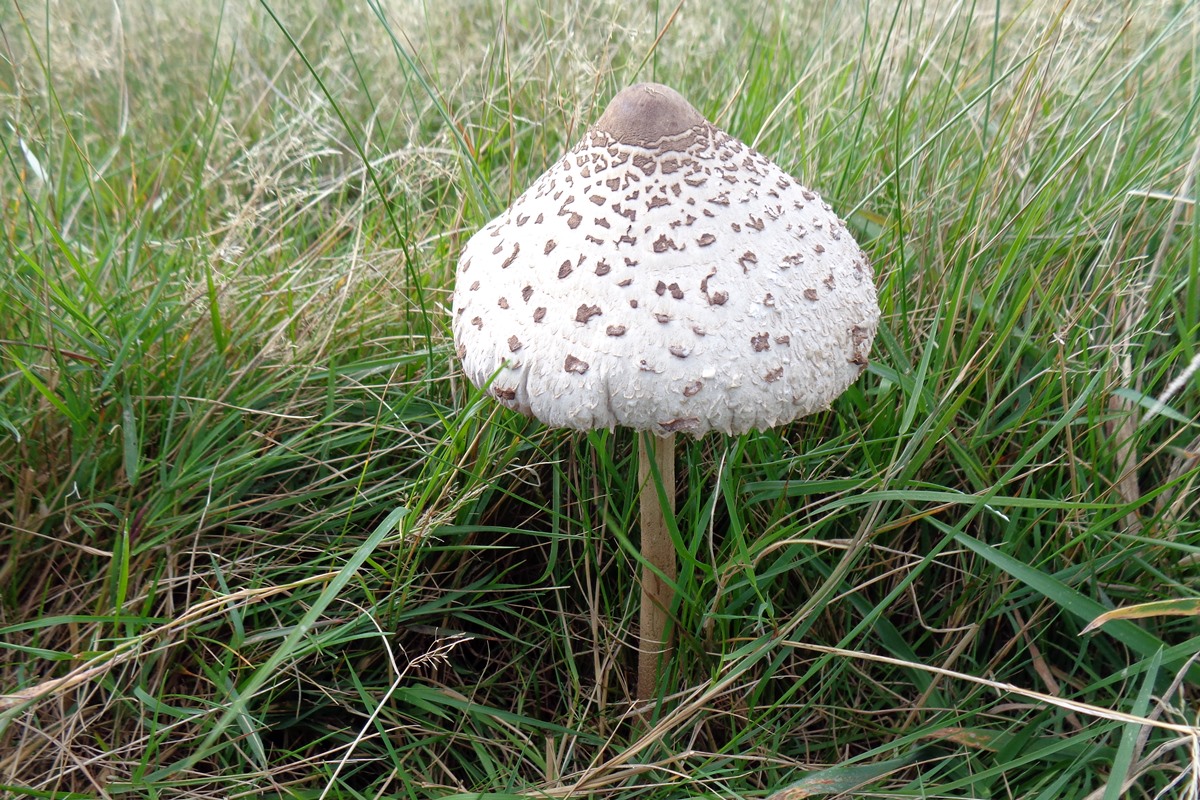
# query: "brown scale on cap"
586,312
680,424
664,243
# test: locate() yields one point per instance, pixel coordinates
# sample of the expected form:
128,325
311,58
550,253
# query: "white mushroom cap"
665,277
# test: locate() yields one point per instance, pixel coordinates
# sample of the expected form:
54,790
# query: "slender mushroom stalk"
665,277
654,646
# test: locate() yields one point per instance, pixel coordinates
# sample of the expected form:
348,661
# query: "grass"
263,540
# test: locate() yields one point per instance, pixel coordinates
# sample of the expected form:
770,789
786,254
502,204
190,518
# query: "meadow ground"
261,539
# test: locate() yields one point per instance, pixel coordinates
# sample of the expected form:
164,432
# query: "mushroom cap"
665,277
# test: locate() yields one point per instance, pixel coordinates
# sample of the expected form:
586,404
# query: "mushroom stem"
659,554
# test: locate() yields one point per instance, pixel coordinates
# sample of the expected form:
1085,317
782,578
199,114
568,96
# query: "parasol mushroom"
663,276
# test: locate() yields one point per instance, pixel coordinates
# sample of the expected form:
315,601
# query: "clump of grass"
263,540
